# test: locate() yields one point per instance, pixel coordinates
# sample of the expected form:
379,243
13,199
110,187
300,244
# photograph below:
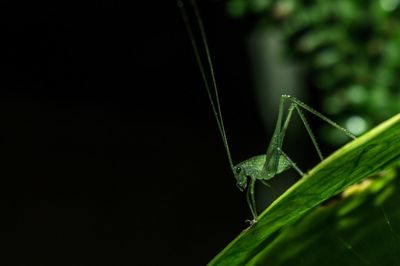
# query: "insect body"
275,161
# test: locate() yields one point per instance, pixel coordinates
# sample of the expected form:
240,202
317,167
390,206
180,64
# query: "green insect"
261,167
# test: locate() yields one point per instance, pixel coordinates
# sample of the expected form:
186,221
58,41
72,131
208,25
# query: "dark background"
110,154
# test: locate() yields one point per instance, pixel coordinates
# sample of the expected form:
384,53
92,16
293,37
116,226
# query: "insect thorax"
251,167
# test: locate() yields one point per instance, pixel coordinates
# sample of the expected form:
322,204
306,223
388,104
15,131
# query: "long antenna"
215,107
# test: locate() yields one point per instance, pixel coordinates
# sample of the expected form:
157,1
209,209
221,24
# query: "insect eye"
238,170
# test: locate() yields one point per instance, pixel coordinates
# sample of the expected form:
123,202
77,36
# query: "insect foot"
251,222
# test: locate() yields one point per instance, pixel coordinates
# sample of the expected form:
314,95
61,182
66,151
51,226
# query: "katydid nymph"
275,161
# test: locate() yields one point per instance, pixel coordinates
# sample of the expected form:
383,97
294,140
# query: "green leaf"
369,154
360,228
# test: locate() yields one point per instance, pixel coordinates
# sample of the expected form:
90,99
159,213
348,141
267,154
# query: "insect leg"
253,201
250,198
309,131
287,120
306,125
264,183
290,161
318,114
272,165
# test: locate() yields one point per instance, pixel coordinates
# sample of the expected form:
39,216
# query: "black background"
110,154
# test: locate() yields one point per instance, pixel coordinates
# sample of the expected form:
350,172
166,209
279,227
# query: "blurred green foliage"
351,50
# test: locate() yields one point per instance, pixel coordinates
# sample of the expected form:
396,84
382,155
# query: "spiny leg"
309,131
305,123
271,164
291,162
250,199
295,103
318,114
264,183
287,120
253,201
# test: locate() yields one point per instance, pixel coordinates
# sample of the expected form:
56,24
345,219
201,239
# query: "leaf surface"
371,153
